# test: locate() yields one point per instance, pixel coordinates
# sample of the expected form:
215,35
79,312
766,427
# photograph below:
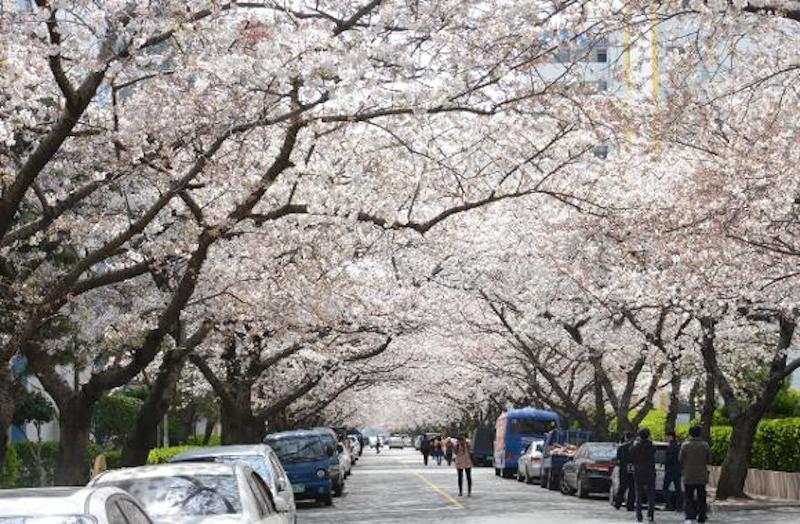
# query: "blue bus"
515,429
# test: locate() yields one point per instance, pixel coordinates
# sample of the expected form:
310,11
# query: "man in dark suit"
643,457
625,491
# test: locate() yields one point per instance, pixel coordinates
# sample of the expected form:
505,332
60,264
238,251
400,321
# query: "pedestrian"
463,456
625,491
448,451
673,500
694,457
438,451
643,458
425,448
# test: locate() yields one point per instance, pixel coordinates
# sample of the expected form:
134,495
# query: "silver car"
529,466
200,493
70,506
262,459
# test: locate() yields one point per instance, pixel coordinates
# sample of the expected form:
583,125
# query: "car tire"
338,489
543,479
497,472
520,477
327,500
565,489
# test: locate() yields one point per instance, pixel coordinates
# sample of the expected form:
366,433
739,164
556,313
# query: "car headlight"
321,473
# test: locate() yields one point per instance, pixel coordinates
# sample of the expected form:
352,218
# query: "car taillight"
600,467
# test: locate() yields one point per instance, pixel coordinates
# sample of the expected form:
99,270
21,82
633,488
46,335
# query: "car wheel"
543,479
565,489
338,489
497,471
327,500
520,477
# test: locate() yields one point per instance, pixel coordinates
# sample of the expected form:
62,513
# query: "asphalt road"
394,487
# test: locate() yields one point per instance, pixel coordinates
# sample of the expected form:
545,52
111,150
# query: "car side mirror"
329,451
283,485
282,505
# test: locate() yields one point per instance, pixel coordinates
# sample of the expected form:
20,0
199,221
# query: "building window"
601,54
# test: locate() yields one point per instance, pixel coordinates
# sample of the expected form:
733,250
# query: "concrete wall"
772,484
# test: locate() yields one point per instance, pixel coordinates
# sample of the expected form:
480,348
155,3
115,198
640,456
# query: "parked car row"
571,462
245,484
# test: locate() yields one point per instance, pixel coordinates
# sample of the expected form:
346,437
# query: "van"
483,446
306,459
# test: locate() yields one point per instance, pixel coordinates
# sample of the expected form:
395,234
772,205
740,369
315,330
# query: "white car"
396,441
529,466
262,459
356,445
199,492
345,459
70,506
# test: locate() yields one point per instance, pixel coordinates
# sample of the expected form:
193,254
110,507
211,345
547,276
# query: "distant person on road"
625,492
438,451
643,458
463,456
672,474
425,448
694,457
448,451
378,446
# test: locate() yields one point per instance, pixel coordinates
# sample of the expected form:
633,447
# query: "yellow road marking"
441,492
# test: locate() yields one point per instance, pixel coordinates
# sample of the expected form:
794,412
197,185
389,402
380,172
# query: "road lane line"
440,491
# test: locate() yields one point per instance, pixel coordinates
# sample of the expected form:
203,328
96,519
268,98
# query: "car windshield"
257,462
602,452
301,449
50,519
196,495
528,426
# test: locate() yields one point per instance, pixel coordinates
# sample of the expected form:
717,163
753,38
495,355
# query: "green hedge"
9,471
163,455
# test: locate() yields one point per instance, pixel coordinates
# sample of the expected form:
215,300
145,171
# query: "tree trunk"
674,401
72,465
210,423
6,411
239,425
600,428
709,405
142,436
734,467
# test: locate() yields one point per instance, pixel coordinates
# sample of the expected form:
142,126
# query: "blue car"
306,459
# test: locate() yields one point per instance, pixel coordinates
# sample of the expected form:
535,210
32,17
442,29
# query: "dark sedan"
589,471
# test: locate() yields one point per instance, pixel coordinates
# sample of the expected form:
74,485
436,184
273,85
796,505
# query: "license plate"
298,488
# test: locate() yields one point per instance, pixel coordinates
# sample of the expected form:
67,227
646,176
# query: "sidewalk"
750,503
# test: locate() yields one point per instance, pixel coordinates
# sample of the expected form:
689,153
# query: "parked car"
307,461
198,493
337,467
661,455
408,441
559,446
355,444
90,505
589,470
483,446
396,442
345,457
529,466
262,459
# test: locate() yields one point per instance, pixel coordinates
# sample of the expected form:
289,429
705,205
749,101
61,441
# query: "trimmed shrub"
9,471
163,455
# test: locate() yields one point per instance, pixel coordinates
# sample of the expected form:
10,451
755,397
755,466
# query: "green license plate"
298,488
